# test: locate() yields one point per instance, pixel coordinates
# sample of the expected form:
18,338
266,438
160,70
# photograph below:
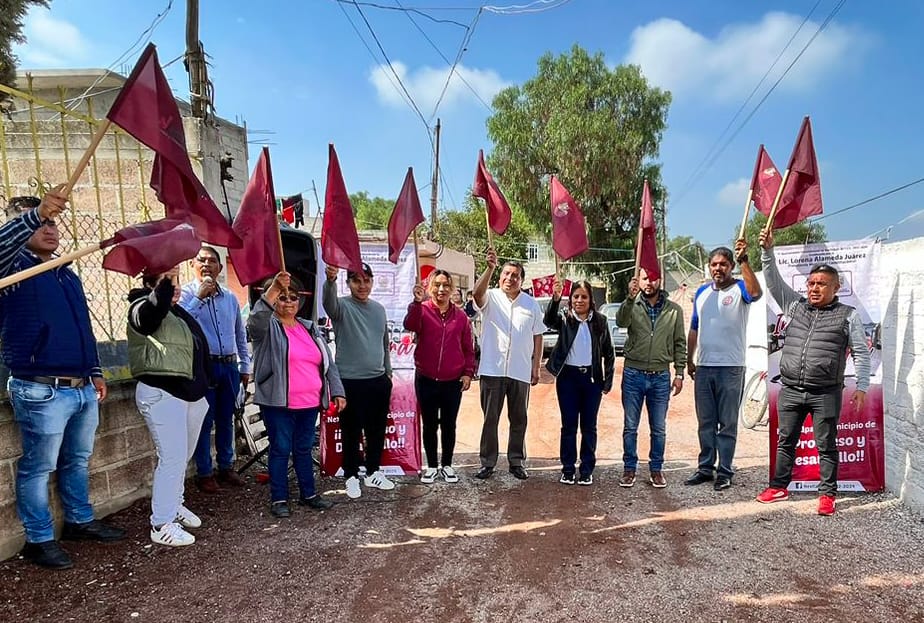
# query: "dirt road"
503,550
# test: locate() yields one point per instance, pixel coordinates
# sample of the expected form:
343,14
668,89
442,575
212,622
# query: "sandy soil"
503,550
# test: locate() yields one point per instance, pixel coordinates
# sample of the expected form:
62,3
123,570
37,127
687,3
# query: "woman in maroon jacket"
445,362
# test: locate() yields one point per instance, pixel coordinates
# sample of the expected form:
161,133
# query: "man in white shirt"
511,350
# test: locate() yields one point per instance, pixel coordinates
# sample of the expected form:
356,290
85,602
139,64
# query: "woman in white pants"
168,355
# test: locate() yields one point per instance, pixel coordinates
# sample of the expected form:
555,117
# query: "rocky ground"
503,550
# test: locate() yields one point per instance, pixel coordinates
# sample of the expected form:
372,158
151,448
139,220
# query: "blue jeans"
718,392
579,401
58,427
291,433
655,391
221,396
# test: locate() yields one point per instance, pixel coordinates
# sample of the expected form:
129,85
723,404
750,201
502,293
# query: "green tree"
598,130
467,231
12,13
684,254
800,233
371,212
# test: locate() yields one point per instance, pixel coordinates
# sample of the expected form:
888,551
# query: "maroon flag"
145,108
543,286
339,240
569,232
257,227
405,216
153,247
802,192
647,244
765,183
485,187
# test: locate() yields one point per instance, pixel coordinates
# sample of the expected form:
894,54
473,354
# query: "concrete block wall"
121,468
902,273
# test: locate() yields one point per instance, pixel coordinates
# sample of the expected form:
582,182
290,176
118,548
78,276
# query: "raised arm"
479,294
329,296
747,273
778,289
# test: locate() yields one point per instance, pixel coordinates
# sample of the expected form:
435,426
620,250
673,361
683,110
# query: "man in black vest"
820,331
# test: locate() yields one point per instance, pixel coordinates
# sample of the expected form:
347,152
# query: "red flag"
146,109
139,230
543,286
339,241
802,193
485,187
288,207
765,183
405,216
647,245
569,232
152,252
257,227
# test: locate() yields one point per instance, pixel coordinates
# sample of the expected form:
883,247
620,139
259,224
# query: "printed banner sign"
860,439
393,286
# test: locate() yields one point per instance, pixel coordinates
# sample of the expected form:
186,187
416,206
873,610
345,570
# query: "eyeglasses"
290,298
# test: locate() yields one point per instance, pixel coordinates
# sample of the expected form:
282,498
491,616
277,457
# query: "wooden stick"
487,220
638,250
85,159
416,259
776,202
49,265
747,213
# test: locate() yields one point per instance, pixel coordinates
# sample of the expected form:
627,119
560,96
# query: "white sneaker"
362,472
379,481
449,474
187,518
172,535
352,487
429,475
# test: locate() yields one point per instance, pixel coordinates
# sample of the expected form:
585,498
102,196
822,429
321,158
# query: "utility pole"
195,62
434,183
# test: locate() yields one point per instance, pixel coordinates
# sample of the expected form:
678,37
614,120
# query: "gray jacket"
271,354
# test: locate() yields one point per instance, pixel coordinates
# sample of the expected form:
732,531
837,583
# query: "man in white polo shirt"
511,350
718,327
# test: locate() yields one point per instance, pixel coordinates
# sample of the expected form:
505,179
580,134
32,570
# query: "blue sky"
301,77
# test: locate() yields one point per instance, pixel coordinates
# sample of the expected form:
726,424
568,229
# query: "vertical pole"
416,258
434,183
100,131
194,60
33,131
65,144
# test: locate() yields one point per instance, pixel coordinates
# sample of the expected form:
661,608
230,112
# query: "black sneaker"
519,472
316,502
722,483
484,473
94,530
586,480
47,554
280,509
566,479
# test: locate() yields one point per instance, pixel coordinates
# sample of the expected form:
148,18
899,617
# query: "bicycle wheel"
755,401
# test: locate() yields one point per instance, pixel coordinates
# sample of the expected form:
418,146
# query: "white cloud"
728,66
51,42
426,83
734,193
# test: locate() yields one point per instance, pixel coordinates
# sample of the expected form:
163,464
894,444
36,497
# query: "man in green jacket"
655,341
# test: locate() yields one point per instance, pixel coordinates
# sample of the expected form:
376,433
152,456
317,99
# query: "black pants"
792,407
439,407
366,413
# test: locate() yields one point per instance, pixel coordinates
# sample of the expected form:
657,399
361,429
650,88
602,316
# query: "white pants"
174,426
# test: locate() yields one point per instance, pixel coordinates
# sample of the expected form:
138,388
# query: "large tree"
12,13
371,212
598,130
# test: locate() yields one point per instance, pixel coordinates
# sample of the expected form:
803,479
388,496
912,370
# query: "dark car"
550,337
617,334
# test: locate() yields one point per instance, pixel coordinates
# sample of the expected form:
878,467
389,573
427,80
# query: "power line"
870,200
538,6
462,48
419,11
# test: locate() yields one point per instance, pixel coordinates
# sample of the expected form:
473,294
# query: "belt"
653,372
581,369
56,381
223,358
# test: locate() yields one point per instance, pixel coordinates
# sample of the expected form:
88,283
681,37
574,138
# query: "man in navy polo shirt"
55,382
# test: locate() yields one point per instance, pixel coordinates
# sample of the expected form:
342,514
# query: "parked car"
550,337
617,334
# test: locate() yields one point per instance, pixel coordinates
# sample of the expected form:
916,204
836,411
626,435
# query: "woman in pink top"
295,377
445,362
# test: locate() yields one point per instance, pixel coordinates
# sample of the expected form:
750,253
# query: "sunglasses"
290,298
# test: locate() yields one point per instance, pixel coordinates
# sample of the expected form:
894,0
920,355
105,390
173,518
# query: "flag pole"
272,193
85,159
49,265
747,213
416,259
776,203
638,246
487,220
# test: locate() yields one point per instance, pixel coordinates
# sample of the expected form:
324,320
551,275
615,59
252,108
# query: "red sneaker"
771,495
826,505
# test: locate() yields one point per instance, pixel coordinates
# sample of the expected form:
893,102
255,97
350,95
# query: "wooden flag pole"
747,213
416,259
85,159
638,250
49,265
776,202
487,220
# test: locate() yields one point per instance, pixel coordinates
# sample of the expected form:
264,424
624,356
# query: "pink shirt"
304,369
